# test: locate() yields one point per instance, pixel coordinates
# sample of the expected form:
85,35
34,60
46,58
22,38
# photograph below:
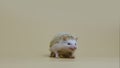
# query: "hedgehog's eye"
68,43
75,44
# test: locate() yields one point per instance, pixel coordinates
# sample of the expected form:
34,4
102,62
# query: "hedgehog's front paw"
56,55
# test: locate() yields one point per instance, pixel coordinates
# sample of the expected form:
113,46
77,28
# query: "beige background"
27,26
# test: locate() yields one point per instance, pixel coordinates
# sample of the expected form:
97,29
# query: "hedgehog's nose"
73,48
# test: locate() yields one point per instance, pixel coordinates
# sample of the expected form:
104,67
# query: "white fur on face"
64,45
68,43
72,42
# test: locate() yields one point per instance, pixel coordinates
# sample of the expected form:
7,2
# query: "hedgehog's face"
70,44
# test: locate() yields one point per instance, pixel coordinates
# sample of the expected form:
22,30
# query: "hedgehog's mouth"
73,48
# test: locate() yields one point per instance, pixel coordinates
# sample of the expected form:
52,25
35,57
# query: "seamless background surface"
27,26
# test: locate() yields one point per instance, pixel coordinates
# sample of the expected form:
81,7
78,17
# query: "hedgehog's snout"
73,48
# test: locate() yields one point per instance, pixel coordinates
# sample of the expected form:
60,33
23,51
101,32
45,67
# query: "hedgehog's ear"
76,38
64,38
